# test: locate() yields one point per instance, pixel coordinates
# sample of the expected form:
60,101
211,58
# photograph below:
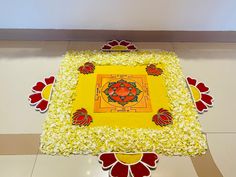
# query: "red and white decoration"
137,166
42,91
200,94
118,45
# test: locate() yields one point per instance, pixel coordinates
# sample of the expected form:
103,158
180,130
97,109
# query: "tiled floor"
17,165
223,147
215,65
22,63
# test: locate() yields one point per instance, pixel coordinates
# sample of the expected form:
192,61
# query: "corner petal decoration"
118,45
81,118
42,91
200,95
129,164
153,70
87,68
162,118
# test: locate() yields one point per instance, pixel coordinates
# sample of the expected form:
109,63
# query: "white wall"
119,14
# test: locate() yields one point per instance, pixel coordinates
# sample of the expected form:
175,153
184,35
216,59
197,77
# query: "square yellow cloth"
90,95
124,123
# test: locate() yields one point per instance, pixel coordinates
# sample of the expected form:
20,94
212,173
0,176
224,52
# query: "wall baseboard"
104,35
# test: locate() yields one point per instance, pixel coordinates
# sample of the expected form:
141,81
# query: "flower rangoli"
123,102
124,105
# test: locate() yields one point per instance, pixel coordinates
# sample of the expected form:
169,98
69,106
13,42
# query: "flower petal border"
184,137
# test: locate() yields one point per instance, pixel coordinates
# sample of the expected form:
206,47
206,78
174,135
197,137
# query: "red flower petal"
113,43
153,70
83,111
151,66
158,72
87,68
81,69
39,86
82,120
49,80
150,159
119,170
162,118
107,160
106,47
89,120
155,119
201,106
131,47
201,86
90,65
124,43
80,117
42,106
207,99
150,70
139,170
34,98
191,81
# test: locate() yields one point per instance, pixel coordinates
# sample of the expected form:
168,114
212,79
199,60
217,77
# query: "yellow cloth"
85,98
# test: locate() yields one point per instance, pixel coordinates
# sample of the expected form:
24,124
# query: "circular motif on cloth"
122,92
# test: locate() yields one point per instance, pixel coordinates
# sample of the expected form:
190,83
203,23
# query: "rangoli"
136,101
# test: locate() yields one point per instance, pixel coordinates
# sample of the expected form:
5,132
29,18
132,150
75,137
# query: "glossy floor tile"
17,165
18,76
155,45
222,148
73,166
35,49
77,45
21,65
19,144
174,167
